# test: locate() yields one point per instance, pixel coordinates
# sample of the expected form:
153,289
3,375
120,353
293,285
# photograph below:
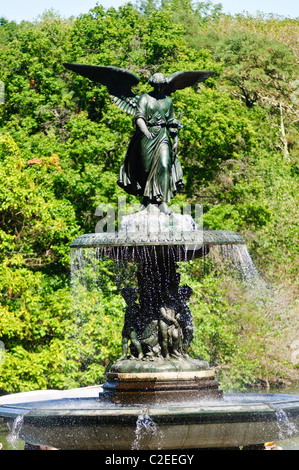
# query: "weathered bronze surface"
151,168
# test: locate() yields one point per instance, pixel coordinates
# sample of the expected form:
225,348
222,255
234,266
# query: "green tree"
8,30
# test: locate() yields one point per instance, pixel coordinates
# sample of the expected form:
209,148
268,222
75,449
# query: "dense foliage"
62,142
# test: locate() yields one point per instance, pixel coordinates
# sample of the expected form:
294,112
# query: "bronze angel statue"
151,168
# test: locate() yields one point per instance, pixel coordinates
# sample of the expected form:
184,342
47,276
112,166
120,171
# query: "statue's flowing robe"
150,169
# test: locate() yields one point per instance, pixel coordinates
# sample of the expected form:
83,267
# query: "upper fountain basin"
153,227
189,238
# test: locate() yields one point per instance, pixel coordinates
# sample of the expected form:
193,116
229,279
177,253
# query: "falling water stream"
11,440
146,430
285,425
145,427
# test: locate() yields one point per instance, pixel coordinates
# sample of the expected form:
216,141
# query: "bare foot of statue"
123,357
177,354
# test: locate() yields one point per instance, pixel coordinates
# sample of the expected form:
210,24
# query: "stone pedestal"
162,387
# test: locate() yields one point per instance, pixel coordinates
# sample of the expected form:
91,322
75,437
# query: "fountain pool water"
159,397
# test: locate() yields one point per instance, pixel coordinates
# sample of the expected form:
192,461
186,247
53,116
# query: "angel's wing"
180,80
119,83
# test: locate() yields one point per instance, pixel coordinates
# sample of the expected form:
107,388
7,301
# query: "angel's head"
158,81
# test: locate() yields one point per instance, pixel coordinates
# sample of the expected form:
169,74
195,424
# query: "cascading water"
145,427
237,259
287,428
13,436
242,261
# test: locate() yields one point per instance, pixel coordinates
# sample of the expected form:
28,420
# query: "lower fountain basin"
79,419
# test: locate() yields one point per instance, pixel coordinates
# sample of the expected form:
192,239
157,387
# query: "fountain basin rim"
238,419
231,402
231,411
170,415
228,413
188,238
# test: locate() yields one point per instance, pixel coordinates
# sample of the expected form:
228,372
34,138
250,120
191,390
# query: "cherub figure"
131,327
185,317
170,330
151,168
